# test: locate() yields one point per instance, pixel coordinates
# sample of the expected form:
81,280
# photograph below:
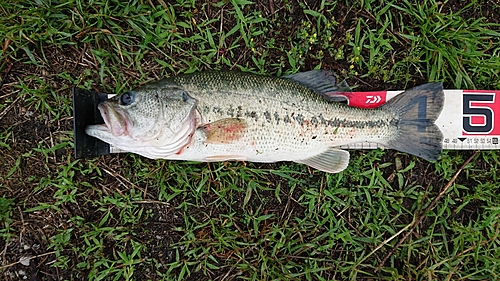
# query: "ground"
126,217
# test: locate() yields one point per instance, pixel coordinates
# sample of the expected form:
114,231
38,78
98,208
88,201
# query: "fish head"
155,120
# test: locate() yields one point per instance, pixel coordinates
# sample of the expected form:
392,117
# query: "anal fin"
333,160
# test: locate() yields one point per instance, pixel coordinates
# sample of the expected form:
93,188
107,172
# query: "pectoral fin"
224,131
332,161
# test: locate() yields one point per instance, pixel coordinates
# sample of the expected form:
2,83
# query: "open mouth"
115,120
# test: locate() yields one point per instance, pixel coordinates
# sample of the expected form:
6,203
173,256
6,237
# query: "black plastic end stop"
85,113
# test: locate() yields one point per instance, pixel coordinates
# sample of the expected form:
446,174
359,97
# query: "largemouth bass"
220,116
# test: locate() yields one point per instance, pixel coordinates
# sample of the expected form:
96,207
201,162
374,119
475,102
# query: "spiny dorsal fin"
322,82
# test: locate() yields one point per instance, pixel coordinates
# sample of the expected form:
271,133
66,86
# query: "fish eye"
126,98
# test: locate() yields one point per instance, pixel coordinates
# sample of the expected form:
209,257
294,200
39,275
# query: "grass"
124,217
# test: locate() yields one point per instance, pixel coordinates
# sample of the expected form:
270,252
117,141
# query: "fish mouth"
115,120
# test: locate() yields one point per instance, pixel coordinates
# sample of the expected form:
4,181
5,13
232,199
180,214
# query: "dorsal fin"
322,82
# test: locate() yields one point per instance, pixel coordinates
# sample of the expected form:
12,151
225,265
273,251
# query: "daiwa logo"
373,99
479,108
366,99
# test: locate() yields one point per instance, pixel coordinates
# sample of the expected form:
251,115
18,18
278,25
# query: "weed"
6,205
127,217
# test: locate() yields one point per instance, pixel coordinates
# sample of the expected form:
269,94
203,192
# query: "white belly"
264,152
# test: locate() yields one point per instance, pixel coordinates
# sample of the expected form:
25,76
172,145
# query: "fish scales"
219,116
283,115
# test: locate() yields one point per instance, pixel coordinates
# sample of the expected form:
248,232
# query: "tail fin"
418,108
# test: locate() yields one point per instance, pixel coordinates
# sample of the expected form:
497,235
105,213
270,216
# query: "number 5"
470,111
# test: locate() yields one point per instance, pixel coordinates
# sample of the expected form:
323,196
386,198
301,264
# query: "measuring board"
470,118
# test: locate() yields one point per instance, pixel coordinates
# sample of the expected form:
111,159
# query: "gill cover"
155,120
